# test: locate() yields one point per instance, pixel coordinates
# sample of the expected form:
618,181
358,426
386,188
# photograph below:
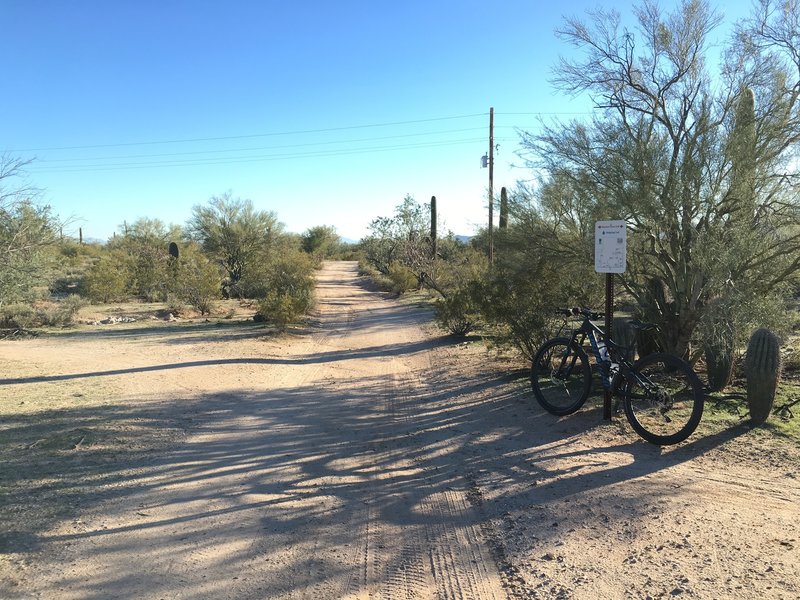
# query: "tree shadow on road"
301,458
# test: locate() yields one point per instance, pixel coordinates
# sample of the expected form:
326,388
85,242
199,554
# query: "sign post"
610,252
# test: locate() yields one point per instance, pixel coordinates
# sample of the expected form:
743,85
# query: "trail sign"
610,246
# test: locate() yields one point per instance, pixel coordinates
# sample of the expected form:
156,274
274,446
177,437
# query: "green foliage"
51,314
705,175
322,242
456,275
288,289
458,312
402,278
26,232
402,238
233,232
543,261
63,312
763,371
195,279
18,316
719,365
107,280
145,245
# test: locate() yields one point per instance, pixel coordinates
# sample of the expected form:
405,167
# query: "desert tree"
701,163
27,229
320,241
234,232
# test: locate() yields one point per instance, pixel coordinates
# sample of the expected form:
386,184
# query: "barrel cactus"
719,363
762,368
623,334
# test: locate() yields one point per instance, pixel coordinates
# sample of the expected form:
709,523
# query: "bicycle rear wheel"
663,399
561,376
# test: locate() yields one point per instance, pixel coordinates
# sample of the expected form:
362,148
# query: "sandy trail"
303,478
372,458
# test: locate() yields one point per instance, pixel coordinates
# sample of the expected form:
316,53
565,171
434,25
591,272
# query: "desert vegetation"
227,249
700,162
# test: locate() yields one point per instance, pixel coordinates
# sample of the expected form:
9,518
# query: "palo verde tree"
26,230
236,234
701,163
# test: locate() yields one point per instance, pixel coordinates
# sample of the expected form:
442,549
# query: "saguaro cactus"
762,368
503,209
434,243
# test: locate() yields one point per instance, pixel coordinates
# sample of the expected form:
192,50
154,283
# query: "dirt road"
370,457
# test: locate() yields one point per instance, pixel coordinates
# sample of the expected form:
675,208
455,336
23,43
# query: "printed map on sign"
610,246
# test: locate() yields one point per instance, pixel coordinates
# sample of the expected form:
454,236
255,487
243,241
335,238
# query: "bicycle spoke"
663,399
560,377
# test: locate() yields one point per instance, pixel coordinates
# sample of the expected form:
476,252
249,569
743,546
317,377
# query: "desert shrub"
365,269
458,313
289,289
49,314
62,313
402,278
106,281
455,275
18,316
194,279
175,306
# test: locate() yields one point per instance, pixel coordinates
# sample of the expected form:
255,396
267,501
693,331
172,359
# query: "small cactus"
719,364
624,335
762,368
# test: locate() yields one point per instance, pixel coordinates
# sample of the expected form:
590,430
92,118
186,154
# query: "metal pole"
609,320
491,184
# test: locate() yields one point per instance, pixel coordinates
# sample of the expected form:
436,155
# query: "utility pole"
491,185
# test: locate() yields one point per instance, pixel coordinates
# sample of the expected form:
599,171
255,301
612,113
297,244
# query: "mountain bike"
661,394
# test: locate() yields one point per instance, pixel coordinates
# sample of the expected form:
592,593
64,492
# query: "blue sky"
327,113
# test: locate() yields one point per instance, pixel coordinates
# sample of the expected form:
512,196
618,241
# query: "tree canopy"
702,164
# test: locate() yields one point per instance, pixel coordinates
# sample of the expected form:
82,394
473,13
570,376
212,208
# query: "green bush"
458,312
18,316
402,278
194,279
289,284
57,314
106,281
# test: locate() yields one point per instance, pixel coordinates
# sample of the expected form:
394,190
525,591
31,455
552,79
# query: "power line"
251,159
226,150
248,136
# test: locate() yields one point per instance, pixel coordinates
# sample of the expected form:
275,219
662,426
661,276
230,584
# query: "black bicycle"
661,394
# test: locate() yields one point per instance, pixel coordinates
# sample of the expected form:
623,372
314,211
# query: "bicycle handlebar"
580,312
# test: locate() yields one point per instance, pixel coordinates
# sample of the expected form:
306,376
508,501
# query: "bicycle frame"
613,365
661,393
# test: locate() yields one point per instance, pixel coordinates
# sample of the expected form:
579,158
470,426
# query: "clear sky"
327,113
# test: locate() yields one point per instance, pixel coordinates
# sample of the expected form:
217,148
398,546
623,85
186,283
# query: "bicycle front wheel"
663,399
561,376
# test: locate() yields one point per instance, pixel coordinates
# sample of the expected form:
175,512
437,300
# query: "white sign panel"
610,246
